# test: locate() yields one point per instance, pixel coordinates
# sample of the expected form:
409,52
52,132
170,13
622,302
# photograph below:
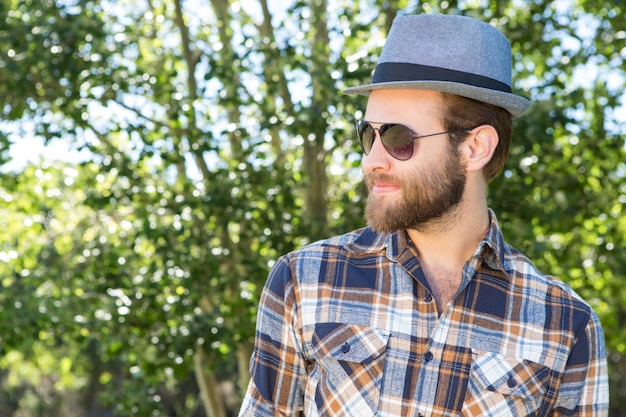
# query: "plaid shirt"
348,327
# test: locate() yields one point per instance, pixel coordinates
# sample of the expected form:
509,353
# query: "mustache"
372,178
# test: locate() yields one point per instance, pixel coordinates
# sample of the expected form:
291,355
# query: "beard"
426,199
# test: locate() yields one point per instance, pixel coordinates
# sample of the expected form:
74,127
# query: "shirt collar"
492,248
367,241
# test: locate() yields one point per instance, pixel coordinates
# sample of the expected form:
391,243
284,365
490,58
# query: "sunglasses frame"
361,125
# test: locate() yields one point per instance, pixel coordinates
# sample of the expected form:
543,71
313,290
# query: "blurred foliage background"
204,138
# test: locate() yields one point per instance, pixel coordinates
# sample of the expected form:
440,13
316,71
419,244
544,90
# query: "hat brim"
514,104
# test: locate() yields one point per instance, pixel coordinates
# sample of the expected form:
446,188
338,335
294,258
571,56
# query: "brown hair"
461,113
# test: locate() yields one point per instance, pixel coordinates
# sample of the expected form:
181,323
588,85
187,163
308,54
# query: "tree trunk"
207,382
244,352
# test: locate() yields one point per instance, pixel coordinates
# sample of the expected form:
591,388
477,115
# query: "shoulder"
352,243
552,292
328,257
520,267
528,282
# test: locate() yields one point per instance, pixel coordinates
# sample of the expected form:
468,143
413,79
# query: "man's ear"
479,147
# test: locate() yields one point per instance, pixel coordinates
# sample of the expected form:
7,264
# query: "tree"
220,140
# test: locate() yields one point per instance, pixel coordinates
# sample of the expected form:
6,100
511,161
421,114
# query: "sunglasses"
395,137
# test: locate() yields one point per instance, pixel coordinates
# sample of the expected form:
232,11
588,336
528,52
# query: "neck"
452,239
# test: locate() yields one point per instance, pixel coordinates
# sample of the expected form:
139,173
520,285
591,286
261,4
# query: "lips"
384,188
382,184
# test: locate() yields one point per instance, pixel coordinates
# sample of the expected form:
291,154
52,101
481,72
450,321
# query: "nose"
378,160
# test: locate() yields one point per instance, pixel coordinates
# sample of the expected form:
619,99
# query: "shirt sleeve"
584,387
277,366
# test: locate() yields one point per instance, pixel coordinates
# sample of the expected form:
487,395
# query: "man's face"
416,193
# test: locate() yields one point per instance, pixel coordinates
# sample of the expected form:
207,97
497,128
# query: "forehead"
403,105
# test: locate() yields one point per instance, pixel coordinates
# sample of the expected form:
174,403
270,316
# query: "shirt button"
428,356
428,297
511,382
345,348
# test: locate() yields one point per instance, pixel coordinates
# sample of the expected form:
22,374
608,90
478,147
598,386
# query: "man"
428,311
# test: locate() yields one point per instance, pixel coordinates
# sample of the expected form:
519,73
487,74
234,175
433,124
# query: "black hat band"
405,72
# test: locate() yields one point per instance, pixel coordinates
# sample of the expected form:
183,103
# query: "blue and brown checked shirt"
348,327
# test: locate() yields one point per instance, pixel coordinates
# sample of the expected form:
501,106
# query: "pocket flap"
508,375
349,342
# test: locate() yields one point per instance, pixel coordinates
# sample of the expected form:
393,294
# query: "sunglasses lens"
396,138
398,141
366,136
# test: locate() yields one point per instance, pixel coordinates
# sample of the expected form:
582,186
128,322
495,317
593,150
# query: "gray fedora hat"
448,53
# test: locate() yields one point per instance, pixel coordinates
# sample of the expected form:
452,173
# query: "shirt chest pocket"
347,370
505,386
